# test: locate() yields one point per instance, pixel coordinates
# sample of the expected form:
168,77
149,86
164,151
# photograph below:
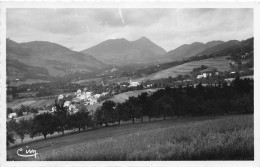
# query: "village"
88,98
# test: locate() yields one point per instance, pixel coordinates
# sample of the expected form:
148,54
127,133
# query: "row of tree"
48,123
217,99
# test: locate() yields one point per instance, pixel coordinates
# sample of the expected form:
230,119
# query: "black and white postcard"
129,84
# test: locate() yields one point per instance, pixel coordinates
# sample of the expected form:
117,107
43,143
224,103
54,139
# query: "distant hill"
231,47
217,48
216,56
189,50
122,51
41,60
220,63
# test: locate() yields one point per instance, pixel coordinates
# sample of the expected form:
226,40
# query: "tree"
33,110
43,124
108,112
9,138
134,108
25,109
121,112
10,127
98,117
164,106
19,112
148,108
22,128
143,103
81,119
61,115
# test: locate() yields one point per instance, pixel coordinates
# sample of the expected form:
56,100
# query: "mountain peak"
197,43
143,38
121,51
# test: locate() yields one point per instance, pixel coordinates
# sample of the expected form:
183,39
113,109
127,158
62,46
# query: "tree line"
47,123
217,99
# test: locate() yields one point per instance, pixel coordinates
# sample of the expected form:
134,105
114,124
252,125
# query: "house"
78,92
208,72
53,109
67,104
200,76
104,93
42,111
72,108
60,97
12,115
88,94
97,96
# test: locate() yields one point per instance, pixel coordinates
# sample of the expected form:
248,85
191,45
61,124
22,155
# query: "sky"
79,29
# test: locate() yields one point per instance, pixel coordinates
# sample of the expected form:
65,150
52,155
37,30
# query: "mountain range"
42,60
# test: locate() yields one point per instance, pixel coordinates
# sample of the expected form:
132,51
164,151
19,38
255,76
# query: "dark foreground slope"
197,138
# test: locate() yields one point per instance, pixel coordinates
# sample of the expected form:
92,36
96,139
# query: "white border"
124,4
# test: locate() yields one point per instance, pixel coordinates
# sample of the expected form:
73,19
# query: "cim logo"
27,152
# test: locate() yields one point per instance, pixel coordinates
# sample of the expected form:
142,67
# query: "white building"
97,96
67,104
133,84
72,108
78,92
200,76
12,115
53,109
60,97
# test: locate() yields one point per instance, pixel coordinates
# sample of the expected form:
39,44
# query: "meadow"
220,63
30,102
122,97
194,138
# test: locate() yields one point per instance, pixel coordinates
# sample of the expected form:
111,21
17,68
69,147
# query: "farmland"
30,102
120,98
220,63
124,96
196,138
28,81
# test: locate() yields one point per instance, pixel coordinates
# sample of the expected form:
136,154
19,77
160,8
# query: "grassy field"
120,98
27,81
30,102
124,96
220,63
197,138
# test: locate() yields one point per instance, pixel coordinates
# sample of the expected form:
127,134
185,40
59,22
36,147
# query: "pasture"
30,102
120,98
28,81
193,138
220,63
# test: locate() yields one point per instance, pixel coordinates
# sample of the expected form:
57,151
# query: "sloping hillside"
41,60
220,63
122,51
189,50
